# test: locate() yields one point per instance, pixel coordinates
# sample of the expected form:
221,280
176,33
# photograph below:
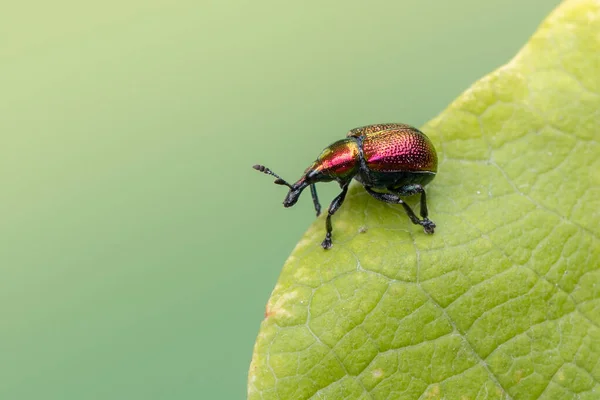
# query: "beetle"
390,160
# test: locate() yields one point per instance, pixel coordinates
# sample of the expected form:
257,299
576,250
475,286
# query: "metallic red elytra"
394,158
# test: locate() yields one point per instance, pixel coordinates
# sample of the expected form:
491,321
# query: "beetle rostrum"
389,160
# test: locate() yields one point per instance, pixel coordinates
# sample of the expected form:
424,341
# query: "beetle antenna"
278,181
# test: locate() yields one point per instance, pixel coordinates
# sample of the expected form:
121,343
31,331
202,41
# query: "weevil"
389,160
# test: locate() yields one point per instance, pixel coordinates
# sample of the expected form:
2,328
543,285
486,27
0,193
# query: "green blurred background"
138,247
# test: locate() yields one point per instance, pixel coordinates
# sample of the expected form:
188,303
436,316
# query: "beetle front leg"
333,207
426,223
313,192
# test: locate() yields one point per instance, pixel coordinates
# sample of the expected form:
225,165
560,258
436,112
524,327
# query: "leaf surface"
503,301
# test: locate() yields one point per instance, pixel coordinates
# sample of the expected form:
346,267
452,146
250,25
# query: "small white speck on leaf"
377,373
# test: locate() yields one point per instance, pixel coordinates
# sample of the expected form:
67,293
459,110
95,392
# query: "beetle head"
311,175
294,193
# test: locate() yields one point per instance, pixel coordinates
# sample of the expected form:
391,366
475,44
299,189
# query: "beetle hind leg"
409,190
394,198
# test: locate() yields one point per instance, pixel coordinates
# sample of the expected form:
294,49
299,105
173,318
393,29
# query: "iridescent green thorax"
340,160
399,149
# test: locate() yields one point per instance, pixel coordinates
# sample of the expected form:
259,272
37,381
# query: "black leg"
313,191
428,226
409,190
333,207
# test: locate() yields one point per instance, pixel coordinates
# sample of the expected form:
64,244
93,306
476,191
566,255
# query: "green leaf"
503,301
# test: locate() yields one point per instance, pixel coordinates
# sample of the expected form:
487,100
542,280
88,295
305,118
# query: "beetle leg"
409,190
428,225
313,192
333,207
